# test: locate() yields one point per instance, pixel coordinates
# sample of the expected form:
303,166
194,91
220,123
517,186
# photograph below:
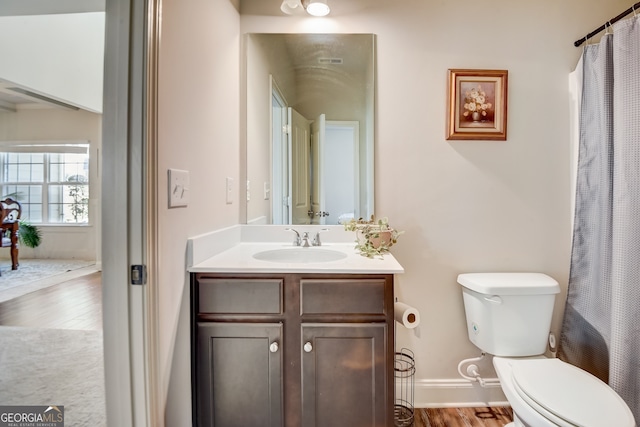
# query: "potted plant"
28,234
373,237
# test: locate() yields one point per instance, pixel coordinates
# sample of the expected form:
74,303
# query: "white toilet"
509,316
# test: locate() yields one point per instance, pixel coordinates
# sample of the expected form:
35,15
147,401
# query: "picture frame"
477,101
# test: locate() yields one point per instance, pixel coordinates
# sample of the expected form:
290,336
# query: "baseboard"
445,393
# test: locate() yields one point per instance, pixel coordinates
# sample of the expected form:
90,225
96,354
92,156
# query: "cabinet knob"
273,347
308,347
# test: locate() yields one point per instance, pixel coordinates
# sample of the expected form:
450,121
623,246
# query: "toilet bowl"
550,393
508,316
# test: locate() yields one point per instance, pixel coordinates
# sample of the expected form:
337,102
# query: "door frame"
129,212
280,164
318,166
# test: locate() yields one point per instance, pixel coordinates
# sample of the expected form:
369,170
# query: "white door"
318,171
340,171
299,140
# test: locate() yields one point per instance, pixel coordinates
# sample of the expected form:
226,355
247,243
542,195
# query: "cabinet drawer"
342,296
240,296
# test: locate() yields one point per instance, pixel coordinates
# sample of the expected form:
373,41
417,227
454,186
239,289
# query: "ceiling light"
318,8
291,7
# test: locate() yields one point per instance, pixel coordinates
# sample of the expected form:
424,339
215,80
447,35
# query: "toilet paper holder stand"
404,373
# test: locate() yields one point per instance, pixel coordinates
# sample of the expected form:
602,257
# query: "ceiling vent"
333,61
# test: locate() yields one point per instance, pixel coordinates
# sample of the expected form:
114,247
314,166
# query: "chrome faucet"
316,240
296,240
305,239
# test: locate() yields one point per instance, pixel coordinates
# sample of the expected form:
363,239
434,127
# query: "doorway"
46,124
122,168
341,173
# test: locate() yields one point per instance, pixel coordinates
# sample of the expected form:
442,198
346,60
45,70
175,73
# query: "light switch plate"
178,188
267,190
229,183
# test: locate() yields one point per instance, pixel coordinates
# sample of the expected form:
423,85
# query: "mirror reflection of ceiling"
272,7
322,63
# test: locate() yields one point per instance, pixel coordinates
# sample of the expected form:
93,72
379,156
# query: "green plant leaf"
29,235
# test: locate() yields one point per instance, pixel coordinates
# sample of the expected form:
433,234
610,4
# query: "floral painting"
477,104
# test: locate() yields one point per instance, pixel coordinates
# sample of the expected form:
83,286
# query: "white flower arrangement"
475,102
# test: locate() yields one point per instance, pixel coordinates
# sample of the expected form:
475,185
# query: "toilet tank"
509,314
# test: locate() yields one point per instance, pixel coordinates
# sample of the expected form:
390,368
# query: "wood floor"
76,304
462,417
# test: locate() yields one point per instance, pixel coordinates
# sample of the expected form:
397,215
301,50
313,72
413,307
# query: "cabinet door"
239,375
344,375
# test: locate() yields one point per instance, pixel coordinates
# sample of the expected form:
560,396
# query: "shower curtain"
601,325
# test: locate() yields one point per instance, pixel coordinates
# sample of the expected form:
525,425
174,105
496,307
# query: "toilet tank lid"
509,283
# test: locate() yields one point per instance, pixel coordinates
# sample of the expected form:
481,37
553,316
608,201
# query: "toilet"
509,316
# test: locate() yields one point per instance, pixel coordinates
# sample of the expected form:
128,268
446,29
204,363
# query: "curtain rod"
608,23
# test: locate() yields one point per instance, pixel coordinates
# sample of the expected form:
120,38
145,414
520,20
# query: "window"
50,181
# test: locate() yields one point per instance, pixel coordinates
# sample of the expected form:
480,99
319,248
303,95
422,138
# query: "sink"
300,255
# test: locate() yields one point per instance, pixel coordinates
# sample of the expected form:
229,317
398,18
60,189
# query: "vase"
383,237
475,116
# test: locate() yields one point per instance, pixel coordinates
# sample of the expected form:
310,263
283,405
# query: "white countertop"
239,259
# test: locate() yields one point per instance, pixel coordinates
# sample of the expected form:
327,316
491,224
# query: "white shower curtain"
601,327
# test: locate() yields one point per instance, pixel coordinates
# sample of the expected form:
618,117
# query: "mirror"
309,127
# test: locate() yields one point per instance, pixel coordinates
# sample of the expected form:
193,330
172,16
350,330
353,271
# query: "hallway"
52,350
75,304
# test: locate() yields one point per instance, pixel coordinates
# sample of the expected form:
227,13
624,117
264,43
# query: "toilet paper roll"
407,316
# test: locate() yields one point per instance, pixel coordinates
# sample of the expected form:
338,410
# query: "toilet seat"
567,395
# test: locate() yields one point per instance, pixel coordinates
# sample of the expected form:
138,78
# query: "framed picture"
477,104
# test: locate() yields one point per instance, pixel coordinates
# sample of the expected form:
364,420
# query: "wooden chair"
10,211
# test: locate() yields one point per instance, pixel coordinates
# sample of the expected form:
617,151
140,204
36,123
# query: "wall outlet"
229,190
248,190
178,188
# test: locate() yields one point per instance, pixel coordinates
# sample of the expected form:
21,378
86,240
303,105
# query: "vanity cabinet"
293,350
244,371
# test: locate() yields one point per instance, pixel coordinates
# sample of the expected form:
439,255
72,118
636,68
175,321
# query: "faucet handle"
305,239
316,239
296,240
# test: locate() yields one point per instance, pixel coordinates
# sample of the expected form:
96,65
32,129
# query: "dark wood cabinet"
241,364
343,375
293,350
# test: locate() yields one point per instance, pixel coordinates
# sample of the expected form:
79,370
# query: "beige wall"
82,241
258,113
198,132
465,206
